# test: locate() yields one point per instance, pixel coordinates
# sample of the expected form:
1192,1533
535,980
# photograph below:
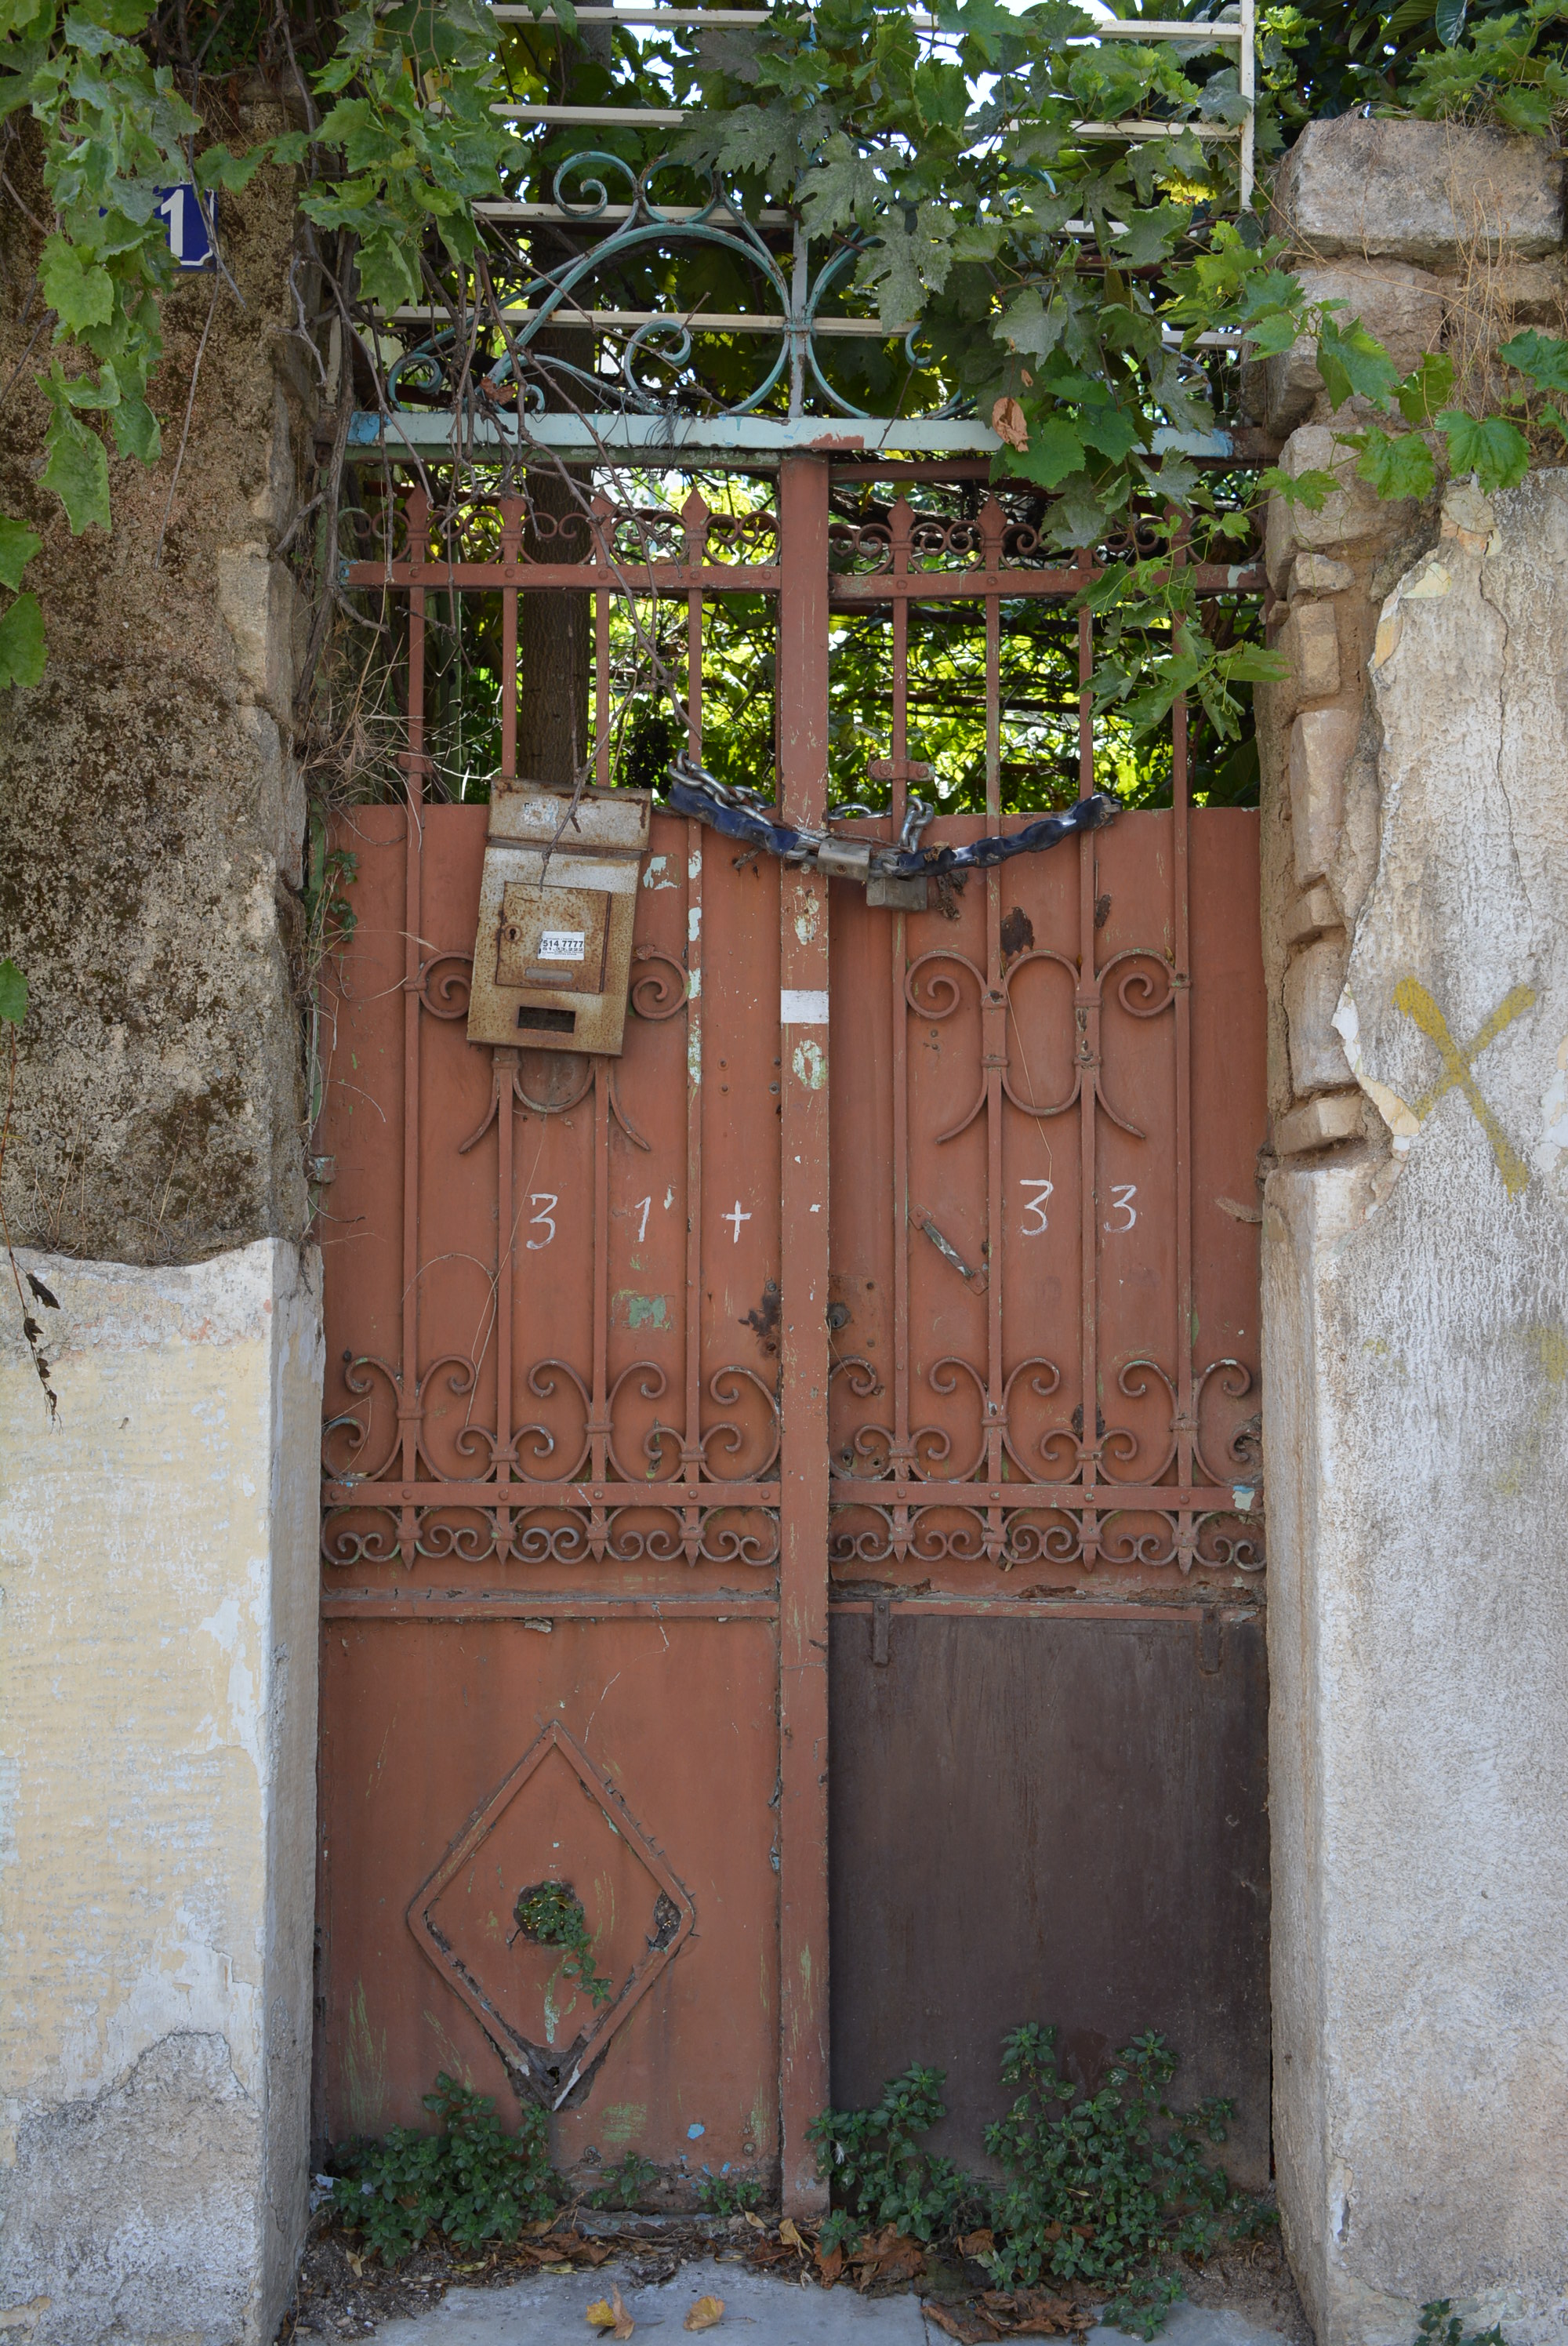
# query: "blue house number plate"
189,215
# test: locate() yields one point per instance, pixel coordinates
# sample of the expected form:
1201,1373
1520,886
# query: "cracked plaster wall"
1416,1431
157,1751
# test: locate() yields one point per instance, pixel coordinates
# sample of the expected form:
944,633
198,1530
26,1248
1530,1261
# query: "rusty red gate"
793,1485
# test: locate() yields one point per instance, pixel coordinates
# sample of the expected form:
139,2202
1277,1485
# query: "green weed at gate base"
474,2181
728,2195
1100,2185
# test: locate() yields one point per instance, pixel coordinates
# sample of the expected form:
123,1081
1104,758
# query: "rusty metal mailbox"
558,905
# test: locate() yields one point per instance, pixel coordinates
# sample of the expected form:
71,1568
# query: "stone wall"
152,818
159,1540
1416,1331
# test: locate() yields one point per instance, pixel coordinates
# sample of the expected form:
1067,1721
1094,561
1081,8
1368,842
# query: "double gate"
793,1487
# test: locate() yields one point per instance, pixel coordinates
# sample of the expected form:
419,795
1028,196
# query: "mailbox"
558,906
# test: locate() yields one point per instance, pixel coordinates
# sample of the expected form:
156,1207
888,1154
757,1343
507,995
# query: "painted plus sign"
737,1217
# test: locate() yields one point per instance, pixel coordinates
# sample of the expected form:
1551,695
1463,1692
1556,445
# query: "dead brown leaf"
706,2314
968,2325
789,2236
829,2268
611,2314
978,2244
892,2257
1009,422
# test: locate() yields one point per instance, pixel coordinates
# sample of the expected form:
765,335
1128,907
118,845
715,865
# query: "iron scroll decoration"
745,815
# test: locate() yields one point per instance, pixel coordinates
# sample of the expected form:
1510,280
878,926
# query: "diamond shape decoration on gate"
554,1825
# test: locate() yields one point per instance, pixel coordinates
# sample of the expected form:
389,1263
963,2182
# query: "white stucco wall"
157,1724
1416,1429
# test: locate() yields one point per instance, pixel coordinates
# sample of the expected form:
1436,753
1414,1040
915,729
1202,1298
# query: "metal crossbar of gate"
793,1485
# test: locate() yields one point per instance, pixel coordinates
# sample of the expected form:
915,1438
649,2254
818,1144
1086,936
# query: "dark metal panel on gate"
1052,1819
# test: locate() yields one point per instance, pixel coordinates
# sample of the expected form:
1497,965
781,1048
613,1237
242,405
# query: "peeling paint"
657,873
809,1062
1399,1118
630,1310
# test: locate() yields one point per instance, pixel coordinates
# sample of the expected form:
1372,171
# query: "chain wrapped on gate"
744,814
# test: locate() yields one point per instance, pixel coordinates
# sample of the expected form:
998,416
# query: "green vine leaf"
844,190
1400,466
18,544
1055,450
22,660
1494,450
216,166
1354,363
137,431
13,992
1424,389
81,293
77,470
1542,357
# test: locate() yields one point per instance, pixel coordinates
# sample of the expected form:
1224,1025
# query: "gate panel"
426,1723
634,1418
1050,1818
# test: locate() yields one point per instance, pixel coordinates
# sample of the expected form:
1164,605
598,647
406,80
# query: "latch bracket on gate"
558,905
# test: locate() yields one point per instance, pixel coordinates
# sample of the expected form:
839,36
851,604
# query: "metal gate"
794,1485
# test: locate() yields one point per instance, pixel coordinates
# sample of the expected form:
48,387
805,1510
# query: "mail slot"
558,905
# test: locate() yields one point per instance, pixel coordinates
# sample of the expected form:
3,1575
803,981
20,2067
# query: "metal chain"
746,815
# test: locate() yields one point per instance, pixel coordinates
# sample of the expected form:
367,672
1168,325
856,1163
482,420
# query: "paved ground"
550,2309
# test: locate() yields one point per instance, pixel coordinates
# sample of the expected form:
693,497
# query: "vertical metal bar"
414,764
803,1338
1181,986
691,1447
902,524
898,799
1248,85
599,1414
993,1026
1087,1019
505,1069
799,279
602,688
511,537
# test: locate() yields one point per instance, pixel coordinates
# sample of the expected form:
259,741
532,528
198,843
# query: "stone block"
1320,574
1310,914
1313,982
1317,1123
1309,640
1322,741
1404,307
159,1557
1531,292
1350,513
1419,191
